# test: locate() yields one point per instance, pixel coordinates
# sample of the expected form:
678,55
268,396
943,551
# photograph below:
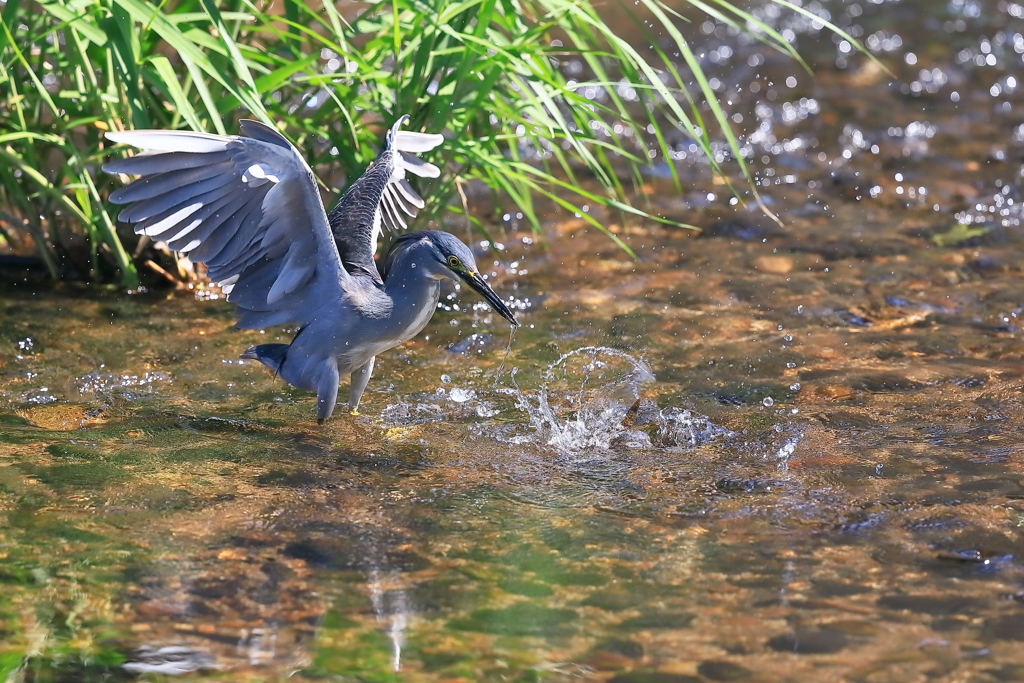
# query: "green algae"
520,619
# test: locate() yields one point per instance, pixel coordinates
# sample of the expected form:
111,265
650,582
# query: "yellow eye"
454,262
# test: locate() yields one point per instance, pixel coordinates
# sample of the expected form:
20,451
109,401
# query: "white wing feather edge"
398,196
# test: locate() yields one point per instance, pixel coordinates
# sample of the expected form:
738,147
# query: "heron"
248,207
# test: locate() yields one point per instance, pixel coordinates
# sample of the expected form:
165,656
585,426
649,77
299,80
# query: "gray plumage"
248,207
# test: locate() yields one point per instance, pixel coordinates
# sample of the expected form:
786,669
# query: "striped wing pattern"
381,198
247,206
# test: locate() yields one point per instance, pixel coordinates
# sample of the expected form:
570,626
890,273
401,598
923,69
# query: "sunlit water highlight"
822,482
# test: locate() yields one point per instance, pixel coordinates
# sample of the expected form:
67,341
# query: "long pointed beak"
483,289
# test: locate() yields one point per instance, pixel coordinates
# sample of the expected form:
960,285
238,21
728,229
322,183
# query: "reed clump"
538,99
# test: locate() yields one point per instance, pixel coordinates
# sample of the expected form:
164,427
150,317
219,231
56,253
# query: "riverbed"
770,451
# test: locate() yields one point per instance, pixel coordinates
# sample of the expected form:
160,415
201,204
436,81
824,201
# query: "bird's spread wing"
381,198
247,206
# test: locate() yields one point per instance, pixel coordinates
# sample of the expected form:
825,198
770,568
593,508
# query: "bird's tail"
271,355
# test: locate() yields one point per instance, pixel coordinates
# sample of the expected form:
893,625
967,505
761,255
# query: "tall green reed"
487,72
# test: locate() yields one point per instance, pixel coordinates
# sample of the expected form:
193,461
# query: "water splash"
100,382
784,452
679,428
589,400
585,400
41,396
460,395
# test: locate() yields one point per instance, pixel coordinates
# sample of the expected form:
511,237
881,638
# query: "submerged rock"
718,670
809,642
654,677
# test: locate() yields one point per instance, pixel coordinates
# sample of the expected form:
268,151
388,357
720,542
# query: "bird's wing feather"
381,198
247,206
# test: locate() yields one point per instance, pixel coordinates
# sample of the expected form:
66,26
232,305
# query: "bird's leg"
327,389
359,379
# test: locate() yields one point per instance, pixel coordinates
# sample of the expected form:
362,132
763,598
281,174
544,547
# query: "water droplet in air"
445,379
461,395
768,402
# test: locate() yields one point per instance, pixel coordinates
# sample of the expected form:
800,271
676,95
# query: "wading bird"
248,207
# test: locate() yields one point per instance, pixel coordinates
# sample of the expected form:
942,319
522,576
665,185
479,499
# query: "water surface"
762,454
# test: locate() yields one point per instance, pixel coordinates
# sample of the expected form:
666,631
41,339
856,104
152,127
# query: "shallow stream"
759,454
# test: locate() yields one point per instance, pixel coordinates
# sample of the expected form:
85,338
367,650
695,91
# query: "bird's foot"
320,420
355,411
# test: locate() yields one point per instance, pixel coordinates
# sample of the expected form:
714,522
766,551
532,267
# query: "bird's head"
450,258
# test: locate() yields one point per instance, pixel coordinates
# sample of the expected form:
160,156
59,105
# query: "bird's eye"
454,262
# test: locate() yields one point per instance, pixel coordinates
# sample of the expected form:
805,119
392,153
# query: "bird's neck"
412,288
